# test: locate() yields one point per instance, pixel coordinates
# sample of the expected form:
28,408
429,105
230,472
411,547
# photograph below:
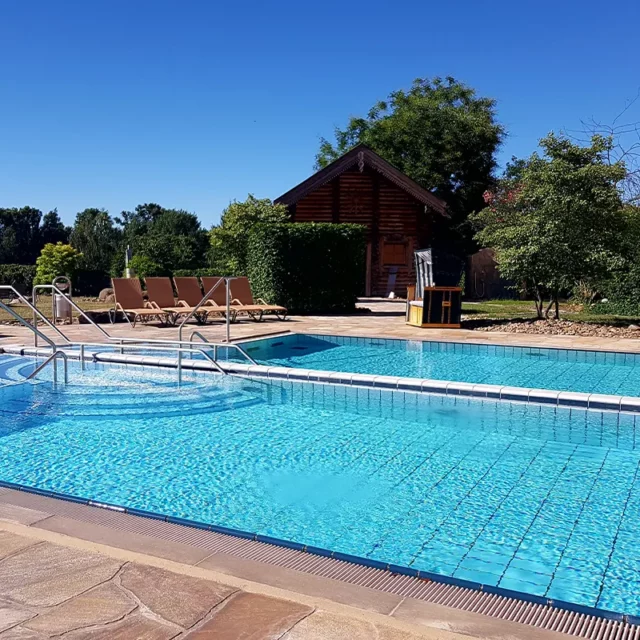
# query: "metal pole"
228,310
82,357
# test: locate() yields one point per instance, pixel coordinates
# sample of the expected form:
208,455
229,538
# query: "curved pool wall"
509,497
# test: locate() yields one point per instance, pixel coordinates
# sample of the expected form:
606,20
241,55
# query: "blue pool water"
557,369
538,499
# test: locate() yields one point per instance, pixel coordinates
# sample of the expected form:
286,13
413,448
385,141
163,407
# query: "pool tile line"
442,387
387,568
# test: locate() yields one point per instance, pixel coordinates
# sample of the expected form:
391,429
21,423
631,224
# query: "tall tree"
53,230
441,134
20,239
557,218
95,236
170,238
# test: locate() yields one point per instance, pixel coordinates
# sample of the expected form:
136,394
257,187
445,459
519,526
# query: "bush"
307,267
20,276
56,260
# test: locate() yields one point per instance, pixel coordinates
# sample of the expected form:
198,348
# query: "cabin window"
394,253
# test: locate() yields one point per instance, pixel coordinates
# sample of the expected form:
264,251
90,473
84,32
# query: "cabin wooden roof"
362,155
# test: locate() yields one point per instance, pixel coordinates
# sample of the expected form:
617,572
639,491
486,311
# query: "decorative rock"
177,598
253,616
106,603
106,295
47,574
634,327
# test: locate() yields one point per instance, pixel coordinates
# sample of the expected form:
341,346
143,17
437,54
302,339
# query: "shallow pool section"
537,499
556,369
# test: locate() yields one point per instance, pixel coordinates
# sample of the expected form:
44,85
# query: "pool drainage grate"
494,605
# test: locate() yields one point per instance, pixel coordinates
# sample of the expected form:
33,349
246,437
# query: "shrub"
145,267
56,260
307,267
622,292
20,276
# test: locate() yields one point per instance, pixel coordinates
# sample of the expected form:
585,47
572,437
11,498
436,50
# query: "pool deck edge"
400,597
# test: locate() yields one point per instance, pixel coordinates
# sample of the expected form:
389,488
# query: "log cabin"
361,187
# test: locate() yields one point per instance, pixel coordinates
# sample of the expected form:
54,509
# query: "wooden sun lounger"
254,308
160,294
218,299
130,302
189,293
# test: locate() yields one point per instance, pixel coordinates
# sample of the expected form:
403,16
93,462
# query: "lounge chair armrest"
261,301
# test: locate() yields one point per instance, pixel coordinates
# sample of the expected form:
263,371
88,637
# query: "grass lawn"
525,309
44,306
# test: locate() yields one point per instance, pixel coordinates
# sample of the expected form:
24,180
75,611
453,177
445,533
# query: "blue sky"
191,104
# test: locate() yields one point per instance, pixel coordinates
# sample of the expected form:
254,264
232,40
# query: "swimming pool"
556,369
542,500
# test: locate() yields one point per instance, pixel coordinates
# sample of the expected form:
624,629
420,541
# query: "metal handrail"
83,345
55,289
21,320
215,346
52,358
36,313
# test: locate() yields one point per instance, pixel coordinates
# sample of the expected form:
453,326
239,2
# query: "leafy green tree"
556,219
96,237
20,239
53,230
229,239
441,134
170,238
56,260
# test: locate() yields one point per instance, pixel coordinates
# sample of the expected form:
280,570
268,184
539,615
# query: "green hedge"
19,276
307,267
185,273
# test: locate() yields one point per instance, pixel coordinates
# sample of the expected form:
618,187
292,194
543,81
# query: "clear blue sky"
194,103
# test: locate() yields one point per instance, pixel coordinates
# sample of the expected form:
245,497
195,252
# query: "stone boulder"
106,295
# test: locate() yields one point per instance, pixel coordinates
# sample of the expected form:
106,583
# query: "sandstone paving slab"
106,603
180,599
47,574
251,617
11,615
136,627
322,625
22,515
11,543
20,633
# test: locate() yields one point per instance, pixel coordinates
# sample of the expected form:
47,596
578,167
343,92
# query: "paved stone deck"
50,590
385,319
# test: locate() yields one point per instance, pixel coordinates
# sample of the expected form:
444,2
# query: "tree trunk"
557,303
546,313
539,303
